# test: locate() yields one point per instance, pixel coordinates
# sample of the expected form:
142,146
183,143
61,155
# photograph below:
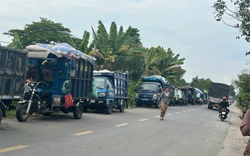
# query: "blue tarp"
66,50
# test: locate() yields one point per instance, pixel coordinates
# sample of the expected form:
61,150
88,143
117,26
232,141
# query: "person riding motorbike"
223,105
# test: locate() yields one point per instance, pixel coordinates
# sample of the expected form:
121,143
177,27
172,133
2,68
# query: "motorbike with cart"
61,81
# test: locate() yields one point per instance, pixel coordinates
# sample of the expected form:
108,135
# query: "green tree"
44,31
106,46
202,83
243,86
16,43
239,11
166,64
232,91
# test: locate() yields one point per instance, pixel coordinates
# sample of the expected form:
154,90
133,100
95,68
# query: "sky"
188,28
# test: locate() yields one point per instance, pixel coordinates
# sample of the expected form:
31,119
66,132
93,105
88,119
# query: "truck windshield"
100,82
148,86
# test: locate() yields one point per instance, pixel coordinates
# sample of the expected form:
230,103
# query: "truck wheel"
21,114
122,106
109,108
0,116
77,112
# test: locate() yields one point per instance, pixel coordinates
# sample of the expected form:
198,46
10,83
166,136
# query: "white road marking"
8,149
83,133
143,119
123,124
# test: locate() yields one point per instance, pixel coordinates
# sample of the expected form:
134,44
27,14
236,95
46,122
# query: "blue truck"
60,80
149,90
12,78
111,91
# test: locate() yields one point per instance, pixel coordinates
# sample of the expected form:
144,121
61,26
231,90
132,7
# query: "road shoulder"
234,143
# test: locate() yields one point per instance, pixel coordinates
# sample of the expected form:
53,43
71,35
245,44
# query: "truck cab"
111,91
149,90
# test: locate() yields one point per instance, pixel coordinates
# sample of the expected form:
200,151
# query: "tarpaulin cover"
218,90
60,50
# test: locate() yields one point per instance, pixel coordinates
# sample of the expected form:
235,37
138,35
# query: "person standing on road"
245,130
165,100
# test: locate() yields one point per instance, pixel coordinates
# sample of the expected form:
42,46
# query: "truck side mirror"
108,86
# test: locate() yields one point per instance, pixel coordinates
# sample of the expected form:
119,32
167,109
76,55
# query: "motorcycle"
223,114
34,100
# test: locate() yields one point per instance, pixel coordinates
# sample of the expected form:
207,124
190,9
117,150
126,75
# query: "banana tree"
106,46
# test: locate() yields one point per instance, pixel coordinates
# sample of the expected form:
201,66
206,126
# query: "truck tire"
21,114
77,111
109,108
122,106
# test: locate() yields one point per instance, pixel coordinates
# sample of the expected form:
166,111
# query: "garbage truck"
12,78
149,89
215,94
110,91
60,80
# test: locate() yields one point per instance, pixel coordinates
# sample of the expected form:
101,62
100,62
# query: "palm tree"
106,46
169,65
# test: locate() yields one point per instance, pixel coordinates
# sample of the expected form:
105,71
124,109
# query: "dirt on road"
235,143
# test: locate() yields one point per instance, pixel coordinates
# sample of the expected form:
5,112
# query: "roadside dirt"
235,143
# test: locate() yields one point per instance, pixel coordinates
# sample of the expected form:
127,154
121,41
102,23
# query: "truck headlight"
101,95
155,96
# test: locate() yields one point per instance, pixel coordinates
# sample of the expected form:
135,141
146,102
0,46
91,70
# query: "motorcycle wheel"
21,114
77,112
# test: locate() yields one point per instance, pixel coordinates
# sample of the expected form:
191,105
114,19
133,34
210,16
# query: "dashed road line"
177,112
123,124
169,114
83,133
8,149
143,119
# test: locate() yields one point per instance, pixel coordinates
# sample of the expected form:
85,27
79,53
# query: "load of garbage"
60,50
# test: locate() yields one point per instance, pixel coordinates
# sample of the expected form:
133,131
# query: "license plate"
92,101
223,112
144,99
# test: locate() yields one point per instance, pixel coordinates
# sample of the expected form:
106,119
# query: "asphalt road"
191,130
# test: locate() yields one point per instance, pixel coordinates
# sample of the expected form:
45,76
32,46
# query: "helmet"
224,97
